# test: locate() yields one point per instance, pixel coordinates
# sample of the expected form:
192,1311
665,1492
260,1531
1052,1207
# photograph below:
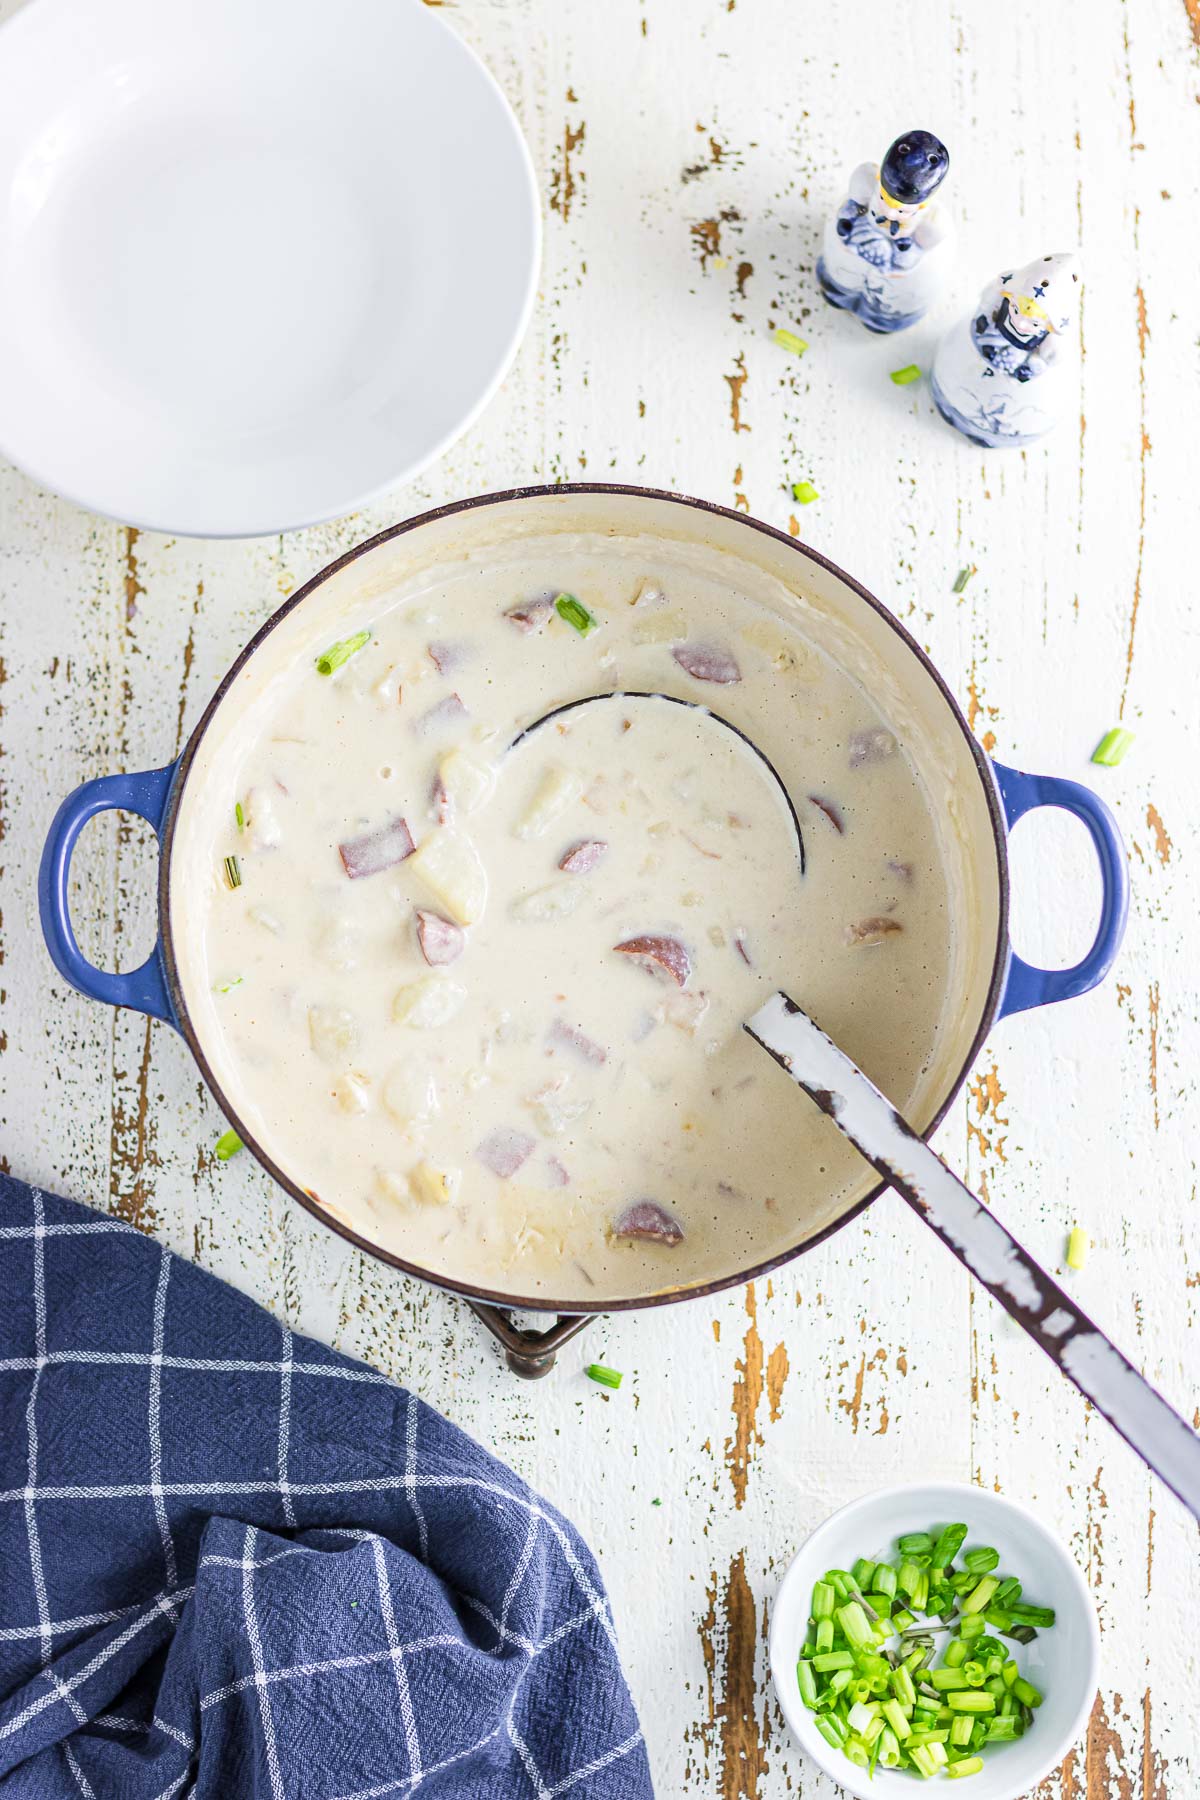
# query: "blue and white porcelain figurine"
999,374
888,246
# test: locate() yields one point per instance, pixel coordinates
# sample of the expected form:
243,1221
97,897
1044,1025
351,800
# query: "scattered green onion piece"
998,1617
889,1750
971,1625
970,1765
1024,1634
864,1573
225,987
1113,747
975,1673
228,1144
1026,1693
960,1731
804,493
788,340
1077,1247
656,1503
903,1689
824,1635
240,816
808,1684
341,652
907,375
1008,1591
604,1377
982,1561
858,1690
575,613
956,1653
960,581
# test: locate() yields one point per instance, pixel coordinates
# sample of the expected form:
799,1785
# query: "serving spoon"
1101,1372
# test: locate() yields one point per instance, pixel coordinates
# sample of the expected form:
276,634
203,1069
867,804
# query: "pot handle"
1025,985
144,793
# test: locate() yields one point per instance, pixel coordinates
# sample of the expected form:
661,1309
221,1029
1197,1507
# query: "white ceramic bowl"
259,259
1063,1662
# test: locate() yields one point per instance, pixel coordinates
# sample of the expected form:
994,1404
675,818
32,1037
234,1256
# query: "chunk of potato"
660,628
428,1003
466,782
409,1093
556,790
333,1033
431,1186
448,863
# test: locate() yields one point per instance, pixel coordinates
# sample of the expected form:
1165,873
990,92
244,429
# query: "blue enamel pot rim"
1003,809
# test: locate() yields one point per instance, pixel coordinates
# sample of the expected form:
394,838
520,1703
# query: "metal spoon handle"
1099,1370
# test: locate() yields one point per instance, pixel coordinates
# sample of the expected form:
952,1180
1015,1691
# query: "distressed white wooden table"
688,150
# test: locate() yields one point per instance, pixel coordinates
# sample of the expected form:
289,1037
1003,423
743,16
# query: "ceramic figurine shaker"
998,375
888,246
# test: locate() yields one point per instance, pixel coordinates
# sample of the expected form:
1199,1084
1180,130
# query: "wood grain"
688,151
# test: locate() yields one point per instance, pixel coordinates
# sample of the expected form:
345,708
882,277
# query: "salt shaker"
887,249
999,374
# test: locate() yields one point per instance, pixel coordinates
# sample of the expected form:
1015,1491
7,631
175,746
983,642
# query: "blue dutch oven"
989,799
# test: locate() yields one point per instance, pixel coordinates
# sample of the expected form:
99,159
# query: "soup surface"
479,987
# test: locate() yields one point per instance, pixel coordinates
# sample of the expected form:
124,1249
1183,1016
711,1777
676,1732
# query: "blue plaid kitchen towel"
235,1564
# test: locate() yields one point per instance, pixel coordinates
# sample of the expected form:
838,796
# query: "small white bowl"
1063,1662
260,260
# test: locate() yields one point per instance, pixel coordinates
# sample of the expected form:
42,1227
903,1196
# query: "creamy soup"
480,987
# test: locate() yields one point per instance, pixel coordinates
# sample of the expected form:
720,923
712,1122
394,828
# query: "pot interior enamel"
851,629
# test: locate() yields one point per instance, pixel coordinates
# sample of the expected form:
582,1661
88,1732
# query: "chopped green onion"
977,1599
914,1543
855,1629
240,816
575,613
656,1502
1025,1614
226,987
1077,1247
788,340
228,1144
950,1541
866,1672
885,1581
960,581
804,492
907,375
341,652
1113,747
609,1378
233,872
